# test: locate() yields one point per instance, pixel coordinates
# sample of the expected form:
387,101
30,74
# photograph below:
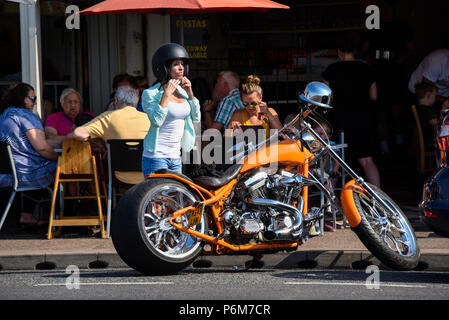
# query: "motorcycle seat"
213,183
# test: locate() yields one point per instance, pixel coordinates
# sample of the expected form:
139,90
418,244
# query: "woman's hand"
171,86
235,126
270,115
187,86
264,108
169,89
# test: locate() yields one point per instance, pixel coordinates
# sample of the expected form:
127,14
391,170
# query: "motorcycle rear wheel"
142,234
390,237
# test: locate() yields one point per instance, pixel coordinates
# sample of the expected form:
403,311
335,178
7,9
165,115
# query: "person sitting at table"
256,112
125,122
59,125
33,156
225,101
120,80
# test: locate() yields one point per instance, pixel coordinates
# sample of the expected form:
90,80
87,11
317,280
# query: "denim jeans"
151,165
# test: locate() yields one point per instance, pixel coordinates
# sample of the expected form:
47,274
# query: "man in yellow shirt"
123,123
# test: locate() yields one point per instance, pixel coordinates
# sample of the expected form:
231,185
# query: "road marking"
103,283
356,284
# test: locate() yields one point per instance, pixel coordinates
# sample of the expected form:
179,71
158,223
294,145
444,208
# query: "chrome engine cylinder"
254,183
289,233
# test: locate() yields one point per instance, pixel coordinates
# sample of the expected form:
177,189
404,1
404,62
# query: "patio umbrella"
181,7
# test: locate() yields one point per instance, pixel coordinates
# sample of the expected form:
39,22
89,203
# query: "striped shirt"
228,106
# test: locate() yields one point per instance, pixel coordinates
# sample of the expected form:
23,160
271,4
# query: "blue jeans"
151,165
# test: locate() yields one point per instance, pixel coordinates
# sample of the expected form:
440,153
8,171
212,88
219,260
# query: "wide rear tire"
142,235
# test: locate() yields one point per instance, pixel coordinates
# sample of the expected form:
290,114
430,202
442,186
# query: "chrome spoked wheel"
391,227
167,241
385,231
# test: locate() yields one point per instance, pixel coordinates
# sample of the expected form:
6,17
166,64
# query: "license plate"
195,216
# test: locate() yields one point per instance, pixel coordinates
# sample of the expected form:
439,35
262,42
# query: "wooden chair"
427,159
76,164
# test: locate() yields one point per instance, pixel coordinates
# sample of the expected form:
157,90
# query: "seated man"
226,94
433,69
120,80
123,123
58,125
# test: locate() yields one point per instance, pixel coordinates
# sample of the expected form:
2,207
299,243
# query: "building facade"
286,48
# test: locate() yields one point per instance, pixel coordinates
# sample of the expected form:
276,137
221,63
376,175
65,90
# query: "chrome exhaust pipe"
288,233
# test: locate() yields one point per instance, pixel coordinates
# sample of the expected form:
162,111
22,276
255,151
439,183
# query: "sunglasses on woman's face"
245,104
32,98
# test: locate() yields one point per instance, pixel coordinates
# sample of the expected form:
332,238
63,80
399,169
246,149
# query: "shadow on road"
352,275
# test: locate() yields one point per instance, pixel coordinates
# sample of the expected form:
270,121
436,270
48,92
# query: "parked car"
435,201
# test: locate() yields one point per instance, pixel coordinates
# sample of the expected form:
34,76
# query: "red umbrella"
181,7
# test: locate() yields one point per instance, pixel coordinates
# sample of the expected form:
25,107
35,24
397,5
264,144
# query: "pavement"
332,250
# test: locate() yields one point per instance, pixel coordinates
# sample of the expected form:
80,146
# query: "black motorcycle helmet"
163,57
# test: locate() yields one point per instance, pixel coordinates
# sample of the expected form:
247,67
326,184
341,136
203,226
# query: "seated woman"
34,158
59,125
256,111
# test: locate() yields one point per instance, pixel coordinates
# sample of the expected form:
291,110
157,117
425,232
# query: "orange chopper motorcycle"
259,206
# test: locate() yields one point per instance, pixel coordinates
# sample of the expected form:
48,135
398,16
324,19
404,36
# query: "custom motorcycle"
260,205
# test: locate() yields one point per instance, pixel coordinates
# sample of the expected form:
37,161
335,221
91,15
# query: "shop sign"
196,30
290,60
197,52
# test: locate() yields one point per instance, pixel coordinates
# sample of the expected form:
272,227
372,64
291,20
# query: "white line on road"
355,284
103,283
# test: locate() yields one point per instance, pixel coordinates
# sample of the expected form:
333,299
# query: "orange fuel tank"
286,152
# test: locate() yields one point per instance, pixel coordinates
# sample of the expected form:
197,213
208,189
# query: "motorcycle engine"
263,220
256,183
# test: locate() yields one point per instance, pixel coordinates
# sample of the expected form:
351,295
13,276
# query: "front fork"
357,179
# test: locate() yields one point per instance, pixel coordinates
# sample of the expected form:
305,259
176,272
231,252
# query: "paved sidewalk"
340,249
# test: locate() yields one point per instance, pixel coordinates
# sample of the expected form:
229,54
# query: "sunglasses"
245,104
32,98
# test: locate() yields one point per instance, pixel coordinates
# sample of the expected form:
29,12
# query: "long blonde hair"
252,84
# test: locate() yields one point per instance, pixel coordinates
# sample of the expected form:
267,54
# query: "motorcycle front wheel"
142,234
388,235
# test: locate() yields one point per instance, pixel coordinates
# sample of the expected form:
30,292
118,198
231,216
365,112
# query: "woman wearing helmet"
172,109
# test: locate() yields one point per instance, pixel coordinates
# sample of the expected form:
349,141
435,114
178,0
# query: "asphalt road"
224,284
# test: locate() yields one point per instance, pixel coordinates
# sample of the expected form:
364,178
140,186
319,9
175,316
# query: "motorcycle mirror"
318,94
